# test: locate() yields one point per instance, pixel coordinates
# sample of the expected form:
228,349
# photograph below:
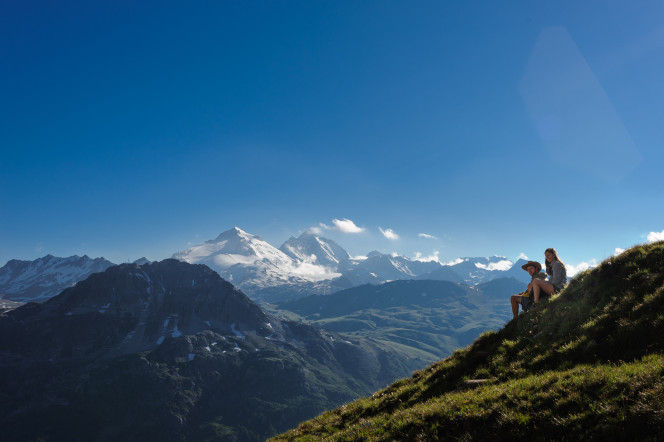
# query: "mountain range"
302,266
45,277
310,264
170,351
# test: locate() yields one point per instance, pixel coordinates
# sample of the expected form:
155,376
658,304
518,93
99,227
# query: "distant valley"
426,319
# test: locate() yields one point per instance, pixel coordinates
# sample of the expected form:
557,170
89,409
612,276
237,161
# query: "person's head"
551,255
532,267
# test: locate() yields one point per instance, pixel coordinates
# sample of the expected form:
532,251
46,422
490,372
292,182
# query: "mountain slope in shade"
45,277
131,308
444,273
170,351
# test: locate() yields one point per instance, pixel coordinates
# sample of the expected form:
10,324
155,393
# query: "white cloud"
573,270
656,236
389,234
427,236
344,226
618,251
523,256
312,271
314,230
420,257
454,262
503,265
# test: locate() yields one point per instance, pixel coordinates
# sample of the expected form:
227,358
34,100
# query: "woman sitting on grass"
557,272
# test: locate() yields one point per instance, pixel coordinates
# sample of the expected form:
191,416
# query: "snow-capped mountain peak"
235,246
47,276
309,247
253,264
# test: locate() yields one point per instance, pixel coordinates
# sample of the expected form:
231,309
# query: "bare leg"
540,285
536,292
515,300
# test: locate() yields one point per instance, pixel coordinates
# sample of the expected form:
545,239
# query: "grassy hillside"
588,364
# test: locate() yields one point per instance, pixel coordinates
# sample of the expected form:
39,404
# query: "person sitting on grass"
557,272
534,269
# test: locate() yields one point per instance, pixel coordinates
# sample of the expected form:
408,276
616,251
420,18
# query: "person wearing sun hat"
534,269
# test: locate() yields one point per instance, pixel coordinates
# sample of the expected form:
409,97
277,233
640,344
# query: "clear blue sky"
132,129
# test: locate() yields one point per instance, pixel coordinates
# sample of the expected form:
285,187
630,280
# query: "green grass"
588,364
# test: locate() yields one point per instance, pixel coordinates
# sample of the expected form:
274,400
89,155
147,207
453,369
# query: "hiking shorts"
527,302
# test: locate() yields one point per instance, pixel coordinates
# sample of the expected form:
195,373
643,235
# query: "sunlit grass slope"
588,364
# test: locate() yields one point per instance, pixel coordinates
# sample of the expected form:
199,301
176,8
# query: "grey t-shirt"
558,276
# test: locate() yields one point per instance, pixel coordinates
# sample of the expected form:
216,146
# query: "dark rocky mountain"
45,277
170,351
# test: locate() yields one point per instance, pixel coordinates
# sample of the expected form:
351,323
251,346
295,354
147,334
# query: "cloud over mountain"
389,234
344,226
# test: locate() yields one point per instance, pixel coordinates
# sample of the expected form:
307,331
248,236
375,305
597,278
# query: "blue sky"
132,129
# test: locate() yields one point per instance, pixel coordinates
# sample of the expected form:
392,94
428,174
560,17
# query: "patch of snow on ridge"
228,260
328,250
237,332
176,333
